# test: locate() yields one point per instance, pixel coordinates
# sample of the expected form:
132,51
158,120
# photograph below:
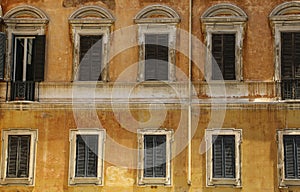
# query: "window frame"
224,18
231,182
73,180
32,160
99,24
282,180
149,23
142,180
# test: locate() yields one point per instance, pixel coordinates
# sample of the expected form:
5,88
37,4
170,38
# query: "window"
284,20
154,157
18,156
288,157
223,51
86,156
223,157
157,40
26,41
91,27
223,26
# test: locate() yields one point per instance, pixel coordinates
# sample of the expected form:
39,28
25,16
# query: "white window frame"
157,25
18,26
210,180
167,181
232,21
72,159
32,160
99,24
281,20
284,182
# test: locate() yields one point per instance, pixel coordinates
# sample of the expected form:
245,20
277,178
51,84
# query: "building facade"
148,95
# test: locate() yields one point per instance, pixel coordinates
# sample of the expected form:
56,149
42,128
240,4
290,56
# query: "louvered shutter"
148,156
160,156
2,54
92,155
289,157
217,157
39,57
223,52
80,157
156,56
90,58
18,156
297,142
229,156
287,49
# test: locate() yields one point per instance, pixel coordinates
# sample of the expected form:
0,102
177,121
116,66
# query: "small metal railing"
22,91
290,89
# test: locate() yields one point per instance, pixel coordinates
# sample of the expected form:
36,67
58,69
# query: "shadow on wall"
72,3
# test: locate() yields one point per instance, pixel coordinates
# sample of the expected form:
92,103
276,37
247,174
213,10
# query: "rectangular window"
292,156
28,66
90,58
154,156
156,57
290,65
18,156
86,156
223,156
223,52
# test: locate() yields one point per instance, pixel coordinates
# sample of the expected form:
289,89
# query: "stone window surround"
72,159
99,24
32,161
157,25
34,25
283,182
233,23
167,181
210,181
282,21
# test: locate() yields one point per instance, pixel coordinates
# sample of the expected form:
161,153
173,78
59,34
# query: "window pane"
291,156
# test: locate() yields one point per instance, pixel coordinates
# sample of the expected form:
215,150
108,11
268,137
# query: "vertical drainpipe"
189,177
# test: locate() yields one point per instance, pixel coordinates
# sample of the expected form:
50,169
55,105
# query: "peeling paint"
117,176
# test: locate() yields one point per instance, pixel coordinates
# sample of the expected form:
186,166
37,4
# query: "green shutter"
2,54
223,52
287,56
90,58
39,57
156,56
148,156
223,156
18,156
86,156
291,156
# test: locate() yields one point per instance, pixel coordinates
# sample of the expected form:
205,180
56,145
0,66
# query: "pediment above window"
289,11
92,15
157,14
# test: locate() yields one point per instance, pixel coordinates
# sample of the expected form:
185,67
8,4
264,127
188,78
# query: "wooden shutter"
18,156
90,58
287,56
39,57
156,56
223,156
2,54
155,156
290,157
223,51
86,156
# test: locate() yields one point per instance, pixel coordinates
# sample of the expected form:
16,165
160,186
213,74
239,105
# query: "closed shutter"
155,156
224,156
156,56
86,156
223,51
90,58
39,57
18,156
2,54
292,156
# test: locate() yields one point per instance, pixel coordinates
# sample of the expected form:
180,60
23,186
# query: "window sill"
17,181
289,183
154,182
86,181
224,182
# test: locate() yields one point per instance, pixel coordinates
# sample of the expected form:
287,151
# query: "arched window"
91,27
26,42
285,20
157,39
224,26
